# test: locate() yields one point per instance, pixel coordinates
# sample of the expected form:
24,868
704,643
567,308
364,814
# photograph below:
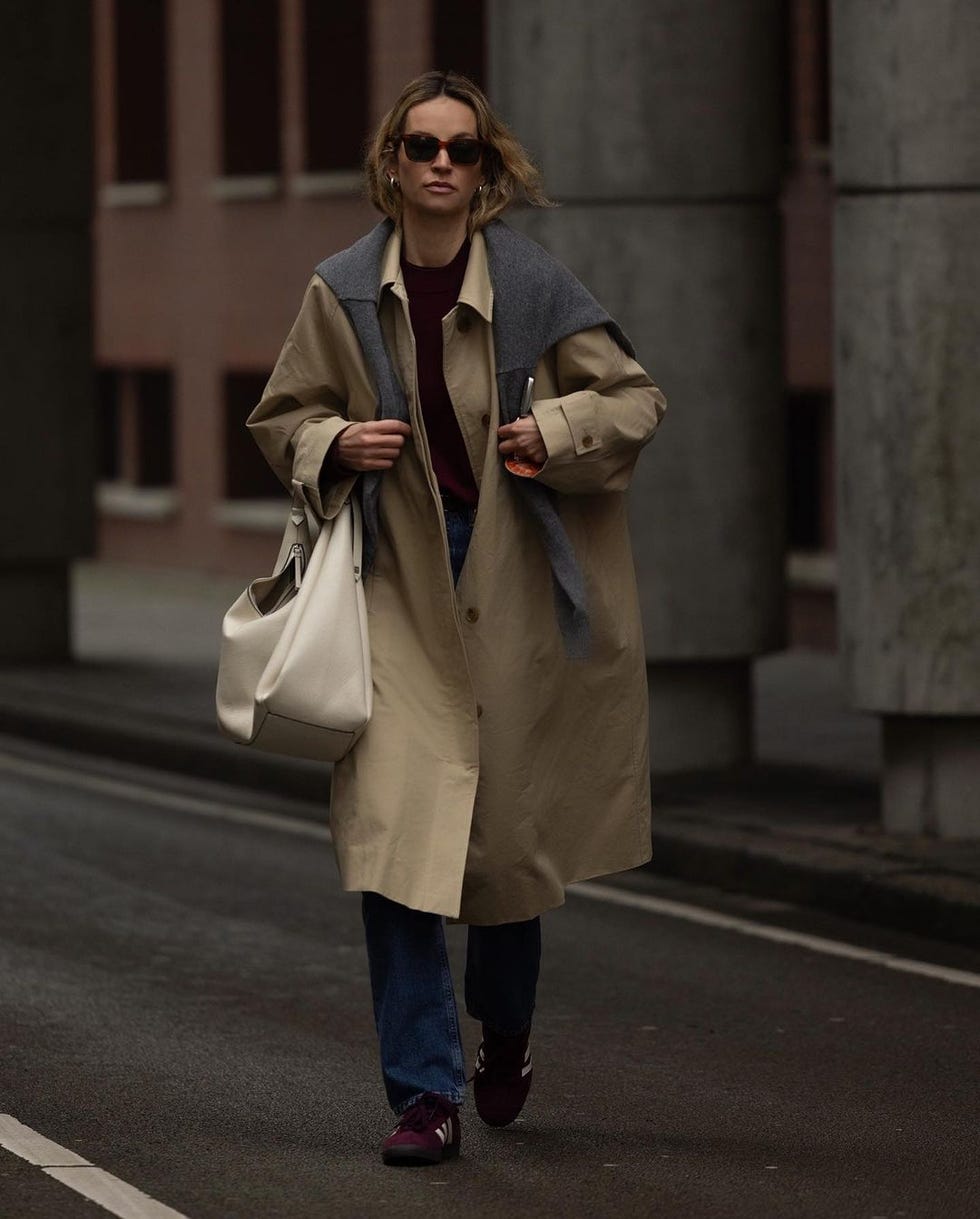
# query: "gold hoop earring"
393,182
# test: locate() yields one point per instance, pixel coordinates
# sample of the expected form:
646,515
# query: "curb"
869,889
887,890
168,745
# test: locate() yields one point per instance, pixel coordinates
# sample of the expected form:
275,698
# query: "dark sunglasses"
463,151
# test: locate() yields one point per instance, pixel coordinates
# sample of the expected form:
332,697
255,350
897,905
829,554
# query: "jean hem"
456,1097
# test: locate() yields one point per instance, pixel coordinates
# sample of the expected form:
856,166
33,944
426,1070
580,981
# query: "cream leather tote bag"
294,675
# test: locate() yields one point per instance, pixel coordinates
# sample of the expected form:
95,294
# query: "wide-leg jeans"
414,1001
411,982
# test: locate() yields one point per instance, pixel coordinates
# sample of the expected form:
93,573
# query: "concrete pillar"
45,330
907,158
657,125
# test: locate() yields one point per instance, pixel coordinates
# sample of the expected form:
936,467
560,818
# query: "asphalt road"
184,1003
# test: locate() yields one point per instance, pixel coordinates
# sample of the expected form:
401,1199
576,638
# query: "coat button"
472,614
479,710
463,323
485,420
588,441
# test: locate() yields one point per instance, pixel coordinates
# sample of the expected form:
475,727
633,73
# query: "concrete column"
657,125
46,396
907,157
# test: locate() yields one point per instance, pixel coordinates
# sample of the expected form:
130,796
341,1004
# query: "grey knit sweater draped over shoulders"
537,302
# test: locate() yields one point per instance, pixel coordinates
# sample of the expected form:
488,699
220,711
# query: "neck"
432,241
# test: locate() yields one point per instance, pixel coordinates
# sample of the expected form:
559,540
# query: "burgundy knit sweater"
432,292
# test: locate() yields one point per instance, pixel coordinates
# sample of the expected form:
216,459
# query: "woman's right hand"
375,445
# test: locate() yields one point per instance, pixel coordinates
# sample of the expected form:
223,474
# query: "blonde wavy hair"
509,174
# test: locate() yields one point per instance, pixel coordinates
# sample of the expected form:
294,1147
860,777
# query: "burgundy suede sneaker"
427,1133
502,1078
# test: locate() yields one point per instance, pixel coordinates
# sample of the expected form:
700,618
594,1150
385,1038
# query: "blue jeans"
411,982
414,1001
459,530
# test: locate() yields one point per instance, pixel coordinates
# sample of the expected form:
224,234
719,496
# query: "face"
438,188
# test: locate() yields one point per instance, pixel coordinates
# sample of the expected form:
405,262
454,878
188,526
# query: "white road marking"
778,935
216,809
171,801
81,1175
34,1147
113,1195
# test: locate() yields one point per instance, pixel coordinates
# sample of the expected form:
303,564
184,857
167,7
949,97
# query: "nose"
442,160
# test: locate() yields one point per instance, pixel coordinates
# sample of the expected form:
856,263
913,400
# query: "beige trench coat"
494,771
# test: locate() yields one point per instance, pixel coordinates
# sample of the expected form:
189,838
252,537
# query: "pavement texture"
186,1004
801,824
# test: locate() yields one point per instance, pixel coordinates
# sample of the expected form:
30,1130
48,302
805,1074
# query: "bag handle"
357,522
297,540
296,545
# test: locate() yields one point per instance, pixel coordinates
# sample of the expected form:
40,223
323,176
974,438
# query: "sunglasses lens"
421,147
426,148
464,152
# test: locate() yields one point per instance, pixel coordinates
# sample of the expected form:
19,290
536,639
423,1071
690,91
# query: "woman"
507,753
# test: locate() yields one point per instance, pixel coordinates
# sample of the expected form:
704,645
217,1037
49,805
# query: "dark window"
786,32
335,54
136,430
808,421
250,86
821,77
107,438
458,38
805,80
247,475
153,402
141,91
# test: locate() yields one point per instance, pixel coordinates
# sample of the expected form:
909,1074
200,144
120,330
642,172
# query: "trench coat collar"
477,290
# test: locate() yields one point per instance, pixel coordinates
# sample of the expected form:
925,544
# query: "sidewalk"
800,825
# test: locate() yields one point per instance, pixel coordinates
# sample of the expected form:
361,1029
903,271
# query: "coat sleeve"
304,406
607,410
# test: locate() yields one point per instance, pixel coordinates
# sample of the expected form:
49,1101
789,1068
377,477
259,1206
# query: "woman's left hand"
522,440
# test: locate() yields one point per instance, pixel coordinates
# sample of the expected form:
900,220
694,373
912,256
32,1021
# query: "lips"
440,188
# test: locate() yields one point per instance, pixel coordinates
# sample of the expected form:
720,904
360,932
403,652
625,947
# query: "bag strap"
297,544
357,522
298,539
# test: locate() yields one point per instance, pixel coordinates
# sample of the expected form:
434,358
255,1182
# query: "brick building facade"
227,143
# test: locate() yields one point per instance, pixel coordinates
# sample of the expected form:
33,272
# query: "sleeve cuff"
326,495
569,426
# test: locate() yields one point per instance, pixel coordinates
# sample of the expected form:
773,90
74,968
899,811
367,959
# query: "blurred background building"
707,160
228,138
